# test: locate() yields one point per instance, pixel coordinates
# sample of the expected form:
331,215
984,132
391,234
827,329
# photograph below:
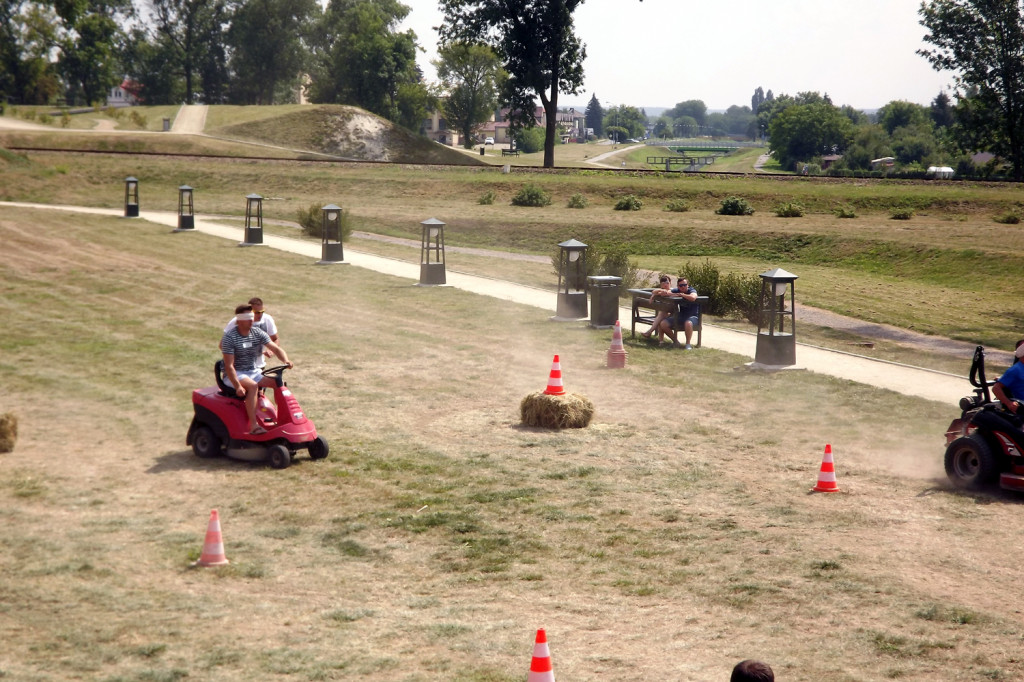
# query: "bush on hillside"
735,206
630,202
578,201
902,213
488,198
531,195
1008,218
677,205
790,210
845,212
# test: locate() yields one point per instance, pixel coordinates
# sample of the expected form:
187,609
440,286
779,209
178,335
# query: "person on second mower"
241,348
1011,383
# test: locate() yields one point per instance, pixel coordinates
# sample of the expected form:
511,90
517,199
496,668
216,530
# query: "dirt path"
599,159
191,119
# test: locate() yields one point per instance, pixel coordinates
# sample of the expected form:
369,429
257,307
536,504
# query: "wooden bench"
645,310
510,152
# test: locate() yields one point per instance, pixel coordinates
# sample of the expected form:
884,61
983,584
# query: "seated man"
263,321
241,347
1011,383
686,314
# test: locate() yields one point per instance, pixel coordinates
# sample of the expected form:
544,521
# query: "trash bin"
167,124
481,151
604,300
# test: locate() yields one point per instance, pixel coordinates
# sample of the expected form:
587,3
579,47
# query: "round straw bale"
570,411
8,431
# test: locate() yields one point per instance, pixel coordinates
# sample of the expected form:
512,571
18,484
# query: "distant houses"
437,128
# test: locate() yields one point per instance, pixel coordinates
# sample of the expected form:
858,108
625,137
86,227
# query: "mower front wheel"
970,464
205,442
280,457
319,448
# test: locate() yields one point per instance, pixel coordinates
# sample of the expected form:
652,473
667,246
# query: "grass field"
668,540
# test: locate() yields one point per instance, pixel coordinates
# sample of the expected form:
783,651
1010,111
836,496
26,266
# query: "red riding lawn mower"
986,443
220,424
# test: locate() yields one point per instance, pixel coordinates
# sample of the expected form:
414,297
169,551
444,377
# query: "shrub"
65,119
138,119
630,202
735,206
610,260
578,201
902,213
677,206
45,119
311,221
1009,218
488,198
704,278
790,210
531,195
844,212
740,294
29,114
530,140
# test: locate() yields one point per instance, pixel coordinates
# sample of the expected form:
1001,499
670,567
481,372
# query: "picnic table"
645,310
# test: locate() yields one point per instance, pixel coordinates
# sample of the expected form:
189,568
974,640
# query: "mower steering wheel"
279,370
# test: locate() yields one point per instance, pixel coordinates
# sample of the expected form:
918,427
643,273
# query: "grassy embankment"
439,534
949,271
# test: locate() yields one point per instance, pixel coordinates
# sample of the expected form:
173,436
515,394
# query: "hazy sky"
660,52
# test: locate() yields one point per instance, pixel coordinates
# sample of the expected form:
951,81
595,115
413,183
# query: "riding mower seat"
226,389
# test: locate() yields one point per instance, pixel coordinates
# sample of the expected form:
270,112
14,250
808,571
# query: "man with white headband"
241,347
1009,389
263,321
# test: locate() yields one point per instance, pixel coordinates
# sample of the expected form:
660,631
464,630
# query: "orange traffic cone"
827,475
213,547
540,666
617,352
555,380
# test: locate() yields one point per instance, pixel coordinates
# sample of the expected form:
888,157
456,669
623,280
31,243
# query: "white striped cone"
540,666
555,379
617,352
827,475
213,546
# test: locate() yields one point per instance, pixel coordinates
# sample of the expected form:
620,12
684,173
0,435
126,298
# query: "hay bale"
570,411
8,431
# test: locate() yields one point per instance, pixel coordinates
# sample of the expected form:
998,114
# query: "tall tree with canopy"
365,61
982,43
536,42
471,77
192,31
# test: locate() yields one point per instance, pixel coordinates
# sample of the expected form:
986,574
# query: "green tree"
268,39
870,142
982,43
593,117
898,114
536,42
694,108
147,62
471,76
941,111
88,47
804,131
626,120
191,30
364,60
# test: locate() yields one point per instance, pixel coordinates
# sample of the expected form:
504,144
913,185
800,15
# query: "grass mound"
348,132
8,431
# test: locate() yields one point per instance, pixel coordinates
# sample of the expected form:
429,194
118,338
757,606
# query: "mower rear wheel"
280,457
205,442
319,448
970,464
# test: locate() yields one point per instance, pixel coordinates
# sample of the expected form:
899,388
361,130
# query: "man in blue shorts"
686,314
1009,389
242,348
